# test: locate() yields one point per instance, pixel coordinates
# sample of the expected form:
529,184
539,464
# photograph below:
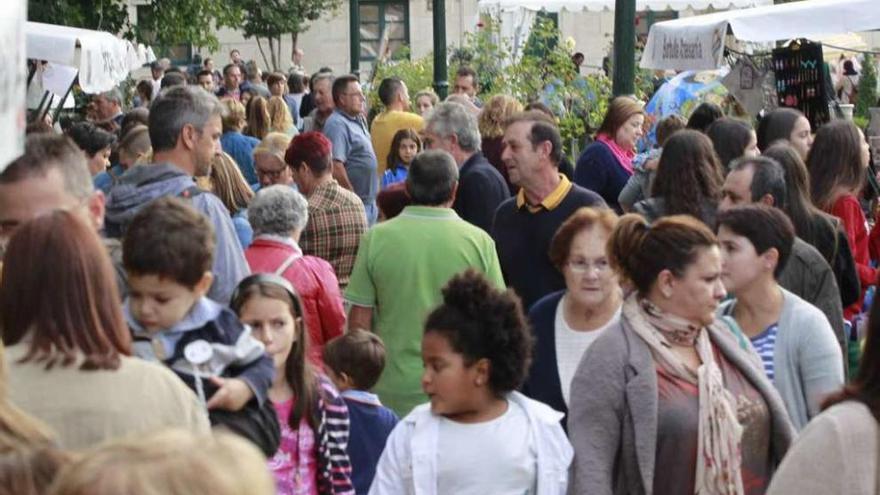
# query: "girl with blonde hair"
227,183
280,119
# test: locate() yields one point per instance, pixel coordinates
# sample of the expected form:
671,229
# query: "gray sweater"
612,420
807,362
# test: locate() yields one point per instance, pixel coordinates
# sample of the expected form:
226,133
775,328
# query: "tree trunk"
294,38
274,65
278,55
262,53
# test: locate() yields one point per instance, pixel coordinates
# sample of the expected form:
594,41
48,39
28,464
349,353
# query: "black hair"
388,89
482,322
703,116
765,227
776,125
730,137
90,138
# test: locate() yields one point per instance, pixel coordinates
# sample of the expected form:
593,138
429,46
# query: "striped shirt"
765,344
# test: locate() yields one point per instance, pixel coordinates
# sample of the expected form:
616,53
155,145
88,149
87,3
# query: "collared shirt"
548,203
399,277
336,223
352,146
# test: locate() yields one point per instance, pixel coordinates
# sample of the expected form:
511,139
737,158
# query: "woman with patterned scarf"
668,402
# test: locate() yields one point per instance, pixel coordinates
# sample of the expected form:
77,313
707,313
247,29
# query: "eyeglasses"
582,266
271,174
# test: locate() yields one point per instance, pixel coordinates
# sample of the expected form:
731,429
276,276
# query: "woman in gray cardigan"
796,344
667,401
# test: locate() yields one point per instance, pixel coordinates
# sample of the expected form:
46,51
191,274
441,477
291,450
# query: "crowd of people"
249,289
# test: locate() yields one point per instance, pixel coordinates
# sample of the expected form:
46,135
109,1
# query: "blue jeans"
372,212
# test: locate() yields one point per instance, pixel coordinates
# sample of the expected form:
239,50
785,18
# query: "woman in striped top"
796,344
312,458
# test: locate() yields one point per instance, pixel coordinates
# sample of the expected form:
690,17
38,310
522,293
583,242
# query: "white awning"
600,5
697,42
102,59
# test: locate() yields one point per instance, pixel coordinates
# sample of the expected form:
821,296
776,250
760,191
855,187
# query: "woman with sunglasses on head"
567,322
314,421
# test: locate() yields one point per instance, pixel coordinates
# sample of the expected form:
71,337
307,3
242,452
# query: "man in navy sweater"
481,188
525,224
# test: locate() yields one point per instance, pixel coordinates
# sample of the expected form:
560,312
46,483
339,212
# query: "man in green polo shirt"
401,266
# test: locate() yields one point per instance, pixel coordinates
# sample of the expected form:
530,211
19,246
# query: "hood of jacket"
137,187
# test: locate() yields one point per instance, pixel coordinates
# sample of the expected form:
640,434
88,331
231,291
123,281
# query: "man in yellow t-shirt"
397,116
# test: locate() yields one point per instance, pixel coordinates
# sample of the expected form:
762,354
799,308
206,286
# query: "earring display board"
800,80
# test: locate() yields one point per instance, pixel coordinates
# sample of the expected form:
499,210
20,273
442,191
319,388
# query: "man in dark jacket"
481,188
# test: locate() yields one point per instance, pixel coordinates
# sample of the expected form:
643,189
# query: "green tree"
269,20
163,23
102,15
867,97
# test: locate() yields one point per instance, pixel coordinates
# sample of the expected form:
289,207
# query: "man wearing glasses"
354,161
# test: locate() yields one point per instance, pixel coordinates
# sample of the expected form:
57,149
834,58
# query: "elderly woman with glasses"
269,162
278,215
567,322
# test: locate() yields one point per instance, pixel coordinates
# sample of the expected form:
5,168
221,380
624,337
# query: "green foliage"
867,88
103,15
270,19
544,73
172,22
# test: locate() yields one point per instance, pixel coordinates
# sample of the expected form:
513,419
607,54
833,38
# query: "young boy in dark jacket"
167,254
354,361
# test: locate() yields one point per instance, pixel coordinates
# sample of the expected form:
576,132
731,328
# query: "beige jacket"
87,407
835,453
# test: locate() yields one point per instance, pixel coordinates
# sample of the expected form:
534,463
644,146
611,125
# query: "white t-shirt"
496,456
571,346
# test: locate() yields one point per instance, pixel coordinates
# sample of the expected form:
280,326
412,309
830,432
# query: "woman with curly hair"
477,435
498,109
688,180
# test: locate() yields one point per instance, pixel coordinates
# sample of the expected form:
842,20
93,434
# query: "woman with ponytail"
670,401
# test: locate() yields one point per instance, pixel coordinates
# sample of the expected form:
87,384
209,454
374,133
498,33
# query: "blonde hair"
135,143
235,116
228,183
257,117
275,144
498,109
171,462
279,115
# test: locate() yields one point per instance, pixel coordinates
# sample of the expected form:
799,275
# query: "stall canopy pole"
624,47
441,85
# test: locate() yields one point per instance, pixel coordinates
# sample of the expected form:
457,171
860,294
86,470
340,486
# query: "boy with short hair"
354,361
167,254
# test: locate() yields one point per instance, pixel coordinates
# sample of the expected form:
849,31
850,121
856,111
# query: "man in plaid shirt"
336,215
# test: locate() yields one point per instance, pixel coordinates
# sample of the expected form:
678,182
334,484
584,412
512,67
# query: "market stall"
62,55
697,43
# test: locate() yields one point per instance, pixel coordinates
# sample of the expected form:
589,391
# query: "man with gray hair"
108,106
481,188
404,262
185,127
278,215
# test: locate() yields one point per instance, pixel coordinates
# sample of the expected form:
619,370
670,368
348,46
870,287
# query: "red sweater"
314,281
848,210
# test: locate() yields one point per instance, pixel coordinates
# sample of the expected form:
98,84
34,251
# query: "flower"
569,44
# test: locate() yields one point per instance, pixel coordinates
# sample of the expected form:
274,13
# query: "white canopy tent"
697,43
101,59
518,16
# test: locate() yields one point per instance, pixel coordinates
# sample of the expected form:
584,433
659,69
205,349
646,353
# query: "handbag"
257,423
